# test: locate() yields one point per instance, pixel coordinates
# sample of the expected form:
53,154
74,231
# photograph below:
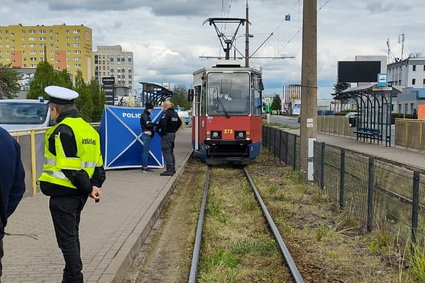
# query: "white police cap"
60,95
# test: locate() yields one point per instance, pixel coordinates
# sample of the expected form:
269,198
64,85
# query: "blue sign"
120,135
382,80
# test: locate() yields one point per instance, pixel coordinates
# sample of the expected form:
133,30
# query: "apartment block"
111,61
63,46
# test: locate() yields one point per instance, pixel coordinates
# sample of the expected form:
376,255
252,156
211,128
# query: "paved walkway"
111,231
409,157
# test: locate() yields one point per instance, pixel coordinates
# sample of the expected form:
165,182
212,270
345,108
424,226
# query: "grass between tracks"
237,245
326,244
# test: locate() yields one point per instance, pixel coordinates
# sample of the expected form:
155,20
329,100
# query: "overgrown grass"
237,244
416,272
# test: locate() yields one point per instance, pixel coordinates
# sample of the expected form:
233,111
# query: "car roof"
25,100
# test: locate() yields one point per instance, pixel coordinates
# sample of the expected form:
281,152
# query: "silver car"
18,114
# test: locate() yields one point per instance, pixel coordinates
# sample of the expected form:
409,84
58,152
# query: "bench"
366,132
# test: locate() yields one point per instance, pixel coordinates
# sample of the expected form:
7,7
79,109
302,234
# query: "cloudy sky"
167,37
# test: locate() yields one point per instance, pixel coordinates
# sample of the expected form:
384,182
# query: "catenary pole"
308,126
247,36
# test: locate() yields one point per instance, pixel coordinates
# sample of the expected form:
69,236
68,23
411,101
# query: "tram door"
196,113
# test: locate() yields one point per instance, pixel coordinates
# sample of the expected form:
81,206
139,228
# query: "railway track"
287,258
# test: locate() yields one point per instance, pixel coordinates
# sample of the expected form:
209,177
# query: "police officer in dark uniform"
12,181
148,131
73,171
167,128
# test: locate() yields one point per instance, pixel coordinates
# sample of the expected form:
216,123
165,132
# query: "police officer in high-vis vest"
73,171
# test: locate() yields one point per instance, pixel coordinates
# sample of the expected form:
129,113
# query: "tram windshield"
228,94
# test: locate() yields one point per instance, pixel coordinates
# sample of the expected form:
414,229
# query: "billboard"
358,71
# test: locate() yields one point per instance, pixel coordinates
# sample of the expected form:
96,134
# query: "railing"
376,192
32,154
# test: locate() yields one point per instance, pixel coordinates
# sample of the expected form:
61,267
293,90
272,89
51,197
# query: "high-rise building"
63,46
111,61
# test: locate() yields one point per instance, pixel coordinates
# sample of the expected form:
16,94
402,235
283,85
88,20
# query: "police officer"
12,181
73,171
148,131
167,128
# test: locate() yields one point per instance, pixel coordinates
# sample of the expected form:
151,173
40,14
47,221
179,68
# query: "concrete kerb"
118,268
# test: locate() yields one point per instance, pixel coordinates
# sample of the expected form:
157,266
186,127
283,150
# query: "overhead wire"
300,29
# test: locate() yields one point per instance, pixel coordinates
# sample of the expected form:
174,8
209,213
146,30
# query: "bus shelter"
374,109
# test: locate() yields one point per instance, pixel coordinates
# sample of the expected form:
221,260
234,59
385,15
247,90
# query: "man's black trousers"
66,213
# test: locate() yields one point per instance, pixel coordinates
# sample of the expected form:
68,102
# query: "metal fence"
378,193
31,142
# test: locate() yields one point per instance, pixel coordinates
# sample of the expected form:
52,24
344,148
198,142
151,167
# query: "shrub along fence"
378,193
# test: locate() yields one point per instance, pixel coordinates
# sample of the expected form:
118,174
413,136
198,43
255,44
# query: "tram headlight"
216,134
239,135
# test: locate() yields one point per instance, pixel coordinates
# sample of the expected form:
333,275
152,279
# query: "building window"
413,81
414,68
423,82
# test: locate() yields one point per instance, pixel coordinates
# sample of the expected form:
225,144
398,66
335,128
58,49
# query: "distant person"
73,172
12,181
415,114
148,131
168,125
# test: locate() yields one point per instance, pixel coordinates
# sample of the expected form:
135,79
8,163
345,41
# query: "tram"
227,113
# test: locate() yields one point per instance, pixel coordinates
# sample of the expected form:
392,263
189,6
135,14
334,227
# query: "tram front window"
228,94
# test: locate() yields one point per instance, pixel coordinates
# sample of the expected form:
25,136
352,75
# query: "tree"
84,101
276,103
179,97
8,81
338,88
98,99
63,79
44,76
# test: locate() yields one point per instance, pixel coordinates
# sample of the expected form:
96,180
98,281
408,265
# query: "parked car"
18,114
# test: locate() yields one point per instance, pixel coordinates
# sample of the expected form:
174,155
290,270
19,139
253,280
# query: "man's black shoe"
166,173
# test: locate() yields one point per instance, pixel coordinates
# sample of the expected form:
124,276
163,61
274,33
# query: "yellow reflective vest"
88,153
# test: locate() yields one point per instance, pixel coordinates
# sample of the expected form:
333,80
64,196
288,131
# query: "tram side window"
256,98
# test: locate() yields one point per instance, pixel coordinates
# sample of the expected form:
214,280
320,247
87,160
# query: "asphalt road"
285,120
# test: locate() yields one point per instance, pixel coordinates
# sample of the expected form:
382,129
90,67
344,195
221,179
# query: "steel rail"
284,250
198,236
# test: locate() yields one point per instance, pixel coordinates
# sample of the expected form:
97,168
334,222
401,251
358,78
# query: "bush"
400,115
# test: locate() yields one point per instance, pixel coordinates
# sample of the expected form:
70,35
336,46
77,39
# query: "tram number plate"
228,131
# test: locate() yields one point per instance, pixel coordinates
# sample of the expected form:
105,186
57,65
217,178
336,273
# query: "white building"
409,72
409,75
111,61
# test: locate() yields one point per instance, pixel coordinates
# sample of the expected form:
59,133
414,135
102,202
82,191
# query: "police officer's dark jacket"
146,122
170,122
80,178
12,175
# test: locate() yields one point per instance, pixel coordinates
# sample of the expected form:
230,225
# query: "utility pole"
308,124
247,37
